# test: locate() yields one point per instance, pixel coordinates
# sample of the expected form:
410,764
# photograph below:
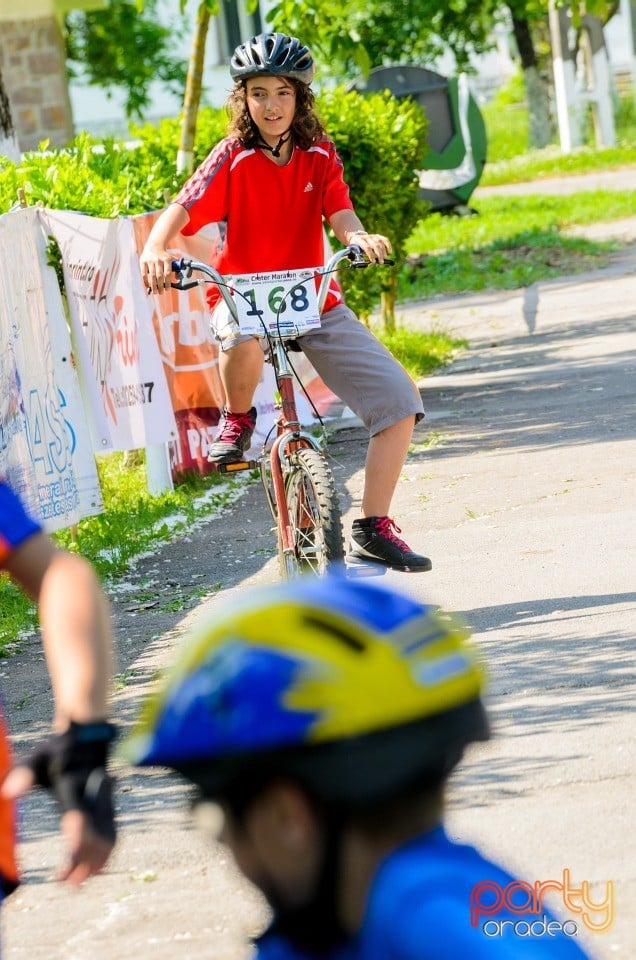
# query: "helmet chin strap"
275,151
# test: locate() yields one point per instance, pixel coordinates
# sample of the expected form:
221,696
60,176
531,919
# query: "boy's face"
277,845
281,843
271,102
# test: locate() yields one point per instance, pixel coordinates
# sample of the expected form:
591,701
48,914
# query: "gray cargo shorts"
352,362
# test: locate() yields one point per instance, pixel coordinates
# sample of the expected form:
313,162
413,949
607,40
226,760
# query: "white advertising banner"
121,372
45,450
190,351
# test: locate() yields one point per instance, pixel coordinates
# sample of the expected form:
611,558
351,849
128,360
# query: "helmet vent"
337,632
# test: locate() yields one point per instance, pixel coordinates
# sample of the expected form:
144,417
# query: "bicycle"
298,482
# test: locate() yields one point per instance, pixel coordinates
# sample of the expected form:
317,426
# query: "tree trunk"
388,299
541,130
8,141
194,82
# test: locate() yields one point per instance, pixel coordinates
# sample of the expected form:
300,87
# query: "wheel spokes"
308,539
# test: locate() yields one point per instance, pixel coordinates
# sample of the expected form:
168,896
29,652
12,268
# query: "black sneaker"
233,438
375,540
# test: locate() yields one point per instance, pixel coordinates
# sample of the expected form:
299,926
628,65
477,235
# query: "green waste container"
457,139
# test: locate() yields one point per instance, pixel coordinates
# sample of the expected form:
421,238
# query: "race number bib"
284,303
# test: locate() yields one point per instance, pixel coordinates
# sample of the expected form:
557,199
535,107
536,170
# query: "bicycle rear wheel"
314,514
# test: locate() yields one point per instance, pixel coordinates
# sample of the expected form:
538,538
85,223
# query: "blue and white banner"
45,449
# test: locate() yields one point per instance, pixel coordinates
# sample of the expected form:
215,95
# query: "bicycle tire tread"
314,466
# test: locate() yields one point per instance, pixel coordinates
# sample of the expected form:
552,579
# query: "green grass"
511,161
421,353
512,242
502,217
506,131
550,162
133,523
501,265
18,617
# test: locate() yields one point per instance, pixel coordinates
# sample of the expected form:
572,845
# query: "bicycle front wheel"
314,514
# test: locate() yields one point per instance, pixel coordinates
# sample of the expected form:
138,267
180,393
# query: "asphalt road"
520,486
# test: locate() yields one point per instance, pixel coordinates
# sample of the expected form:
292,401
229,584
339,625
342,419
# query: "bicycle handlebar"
184,267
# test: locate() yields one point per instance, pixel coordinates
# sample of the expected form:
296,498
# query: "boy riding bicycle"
271,182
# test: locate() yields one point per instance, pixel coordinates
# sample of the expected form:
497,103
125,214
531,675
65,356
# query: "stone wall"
33,67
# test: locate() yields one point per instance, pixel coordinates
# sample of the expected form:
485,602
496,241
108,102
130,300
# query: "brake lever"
357,259
183,269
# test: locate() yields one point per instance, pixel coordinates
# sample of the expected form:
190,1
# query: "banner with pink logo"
121,371
190,354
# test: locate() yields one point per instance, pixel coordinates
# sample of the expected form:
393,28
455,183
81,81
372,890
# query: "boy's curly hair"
306,126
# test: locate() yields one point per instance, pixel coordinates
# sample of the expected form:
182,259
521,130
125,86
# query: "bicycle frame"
289,435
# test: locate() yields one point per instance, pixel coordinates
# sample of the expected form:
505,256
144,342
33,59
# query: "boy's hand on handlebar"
156,270
374,245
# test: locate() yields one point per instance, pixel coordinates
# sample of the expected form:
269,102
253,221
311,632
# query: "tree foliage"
536,11
353,37
127,48
361,34
9,148
6,123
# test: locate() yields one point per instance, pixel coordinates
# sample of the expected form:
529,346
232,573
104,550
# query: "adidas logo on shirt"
308,187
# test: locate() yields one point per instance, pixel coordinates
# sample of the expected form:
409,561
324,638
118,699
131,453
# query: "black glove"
73,765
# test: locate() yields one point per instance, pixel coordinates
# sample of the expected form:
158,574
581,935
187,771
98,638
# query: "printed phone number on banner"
132,394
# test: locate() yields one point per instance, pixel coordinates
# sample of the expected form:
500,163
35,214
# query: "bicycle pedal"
234,467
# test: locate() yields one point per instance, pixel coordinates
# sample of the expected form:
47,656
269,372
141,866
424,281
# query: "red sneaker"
233,438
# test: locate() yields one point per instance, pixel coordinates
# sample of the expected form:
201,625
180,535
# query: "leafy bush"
157,148
381,142
108,179
77,178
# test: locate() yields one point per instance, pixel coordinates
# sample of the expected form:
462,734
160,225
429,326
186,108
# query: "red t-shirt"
273,215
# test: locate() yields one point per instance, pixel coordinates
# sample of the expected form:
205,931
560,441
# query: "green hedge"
381,141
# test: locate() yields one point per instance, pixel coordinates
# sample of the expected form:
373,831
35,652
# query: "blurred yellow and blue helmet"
356,690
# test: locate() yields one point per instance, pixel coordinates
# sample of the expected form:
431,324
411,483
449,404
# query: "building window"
236,26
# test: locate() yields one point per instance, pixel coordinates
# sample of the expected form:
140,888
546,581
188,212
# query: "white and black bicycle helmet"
272,53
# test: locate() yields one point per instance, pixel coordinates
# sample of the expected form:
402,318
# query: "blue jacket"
15,524
419,908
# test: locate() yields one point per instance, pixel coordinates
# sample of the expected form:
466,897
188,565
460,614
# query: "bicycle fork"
290,437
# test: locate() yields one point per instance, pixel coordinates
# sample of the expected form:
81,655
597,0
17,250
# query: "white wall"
95,111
